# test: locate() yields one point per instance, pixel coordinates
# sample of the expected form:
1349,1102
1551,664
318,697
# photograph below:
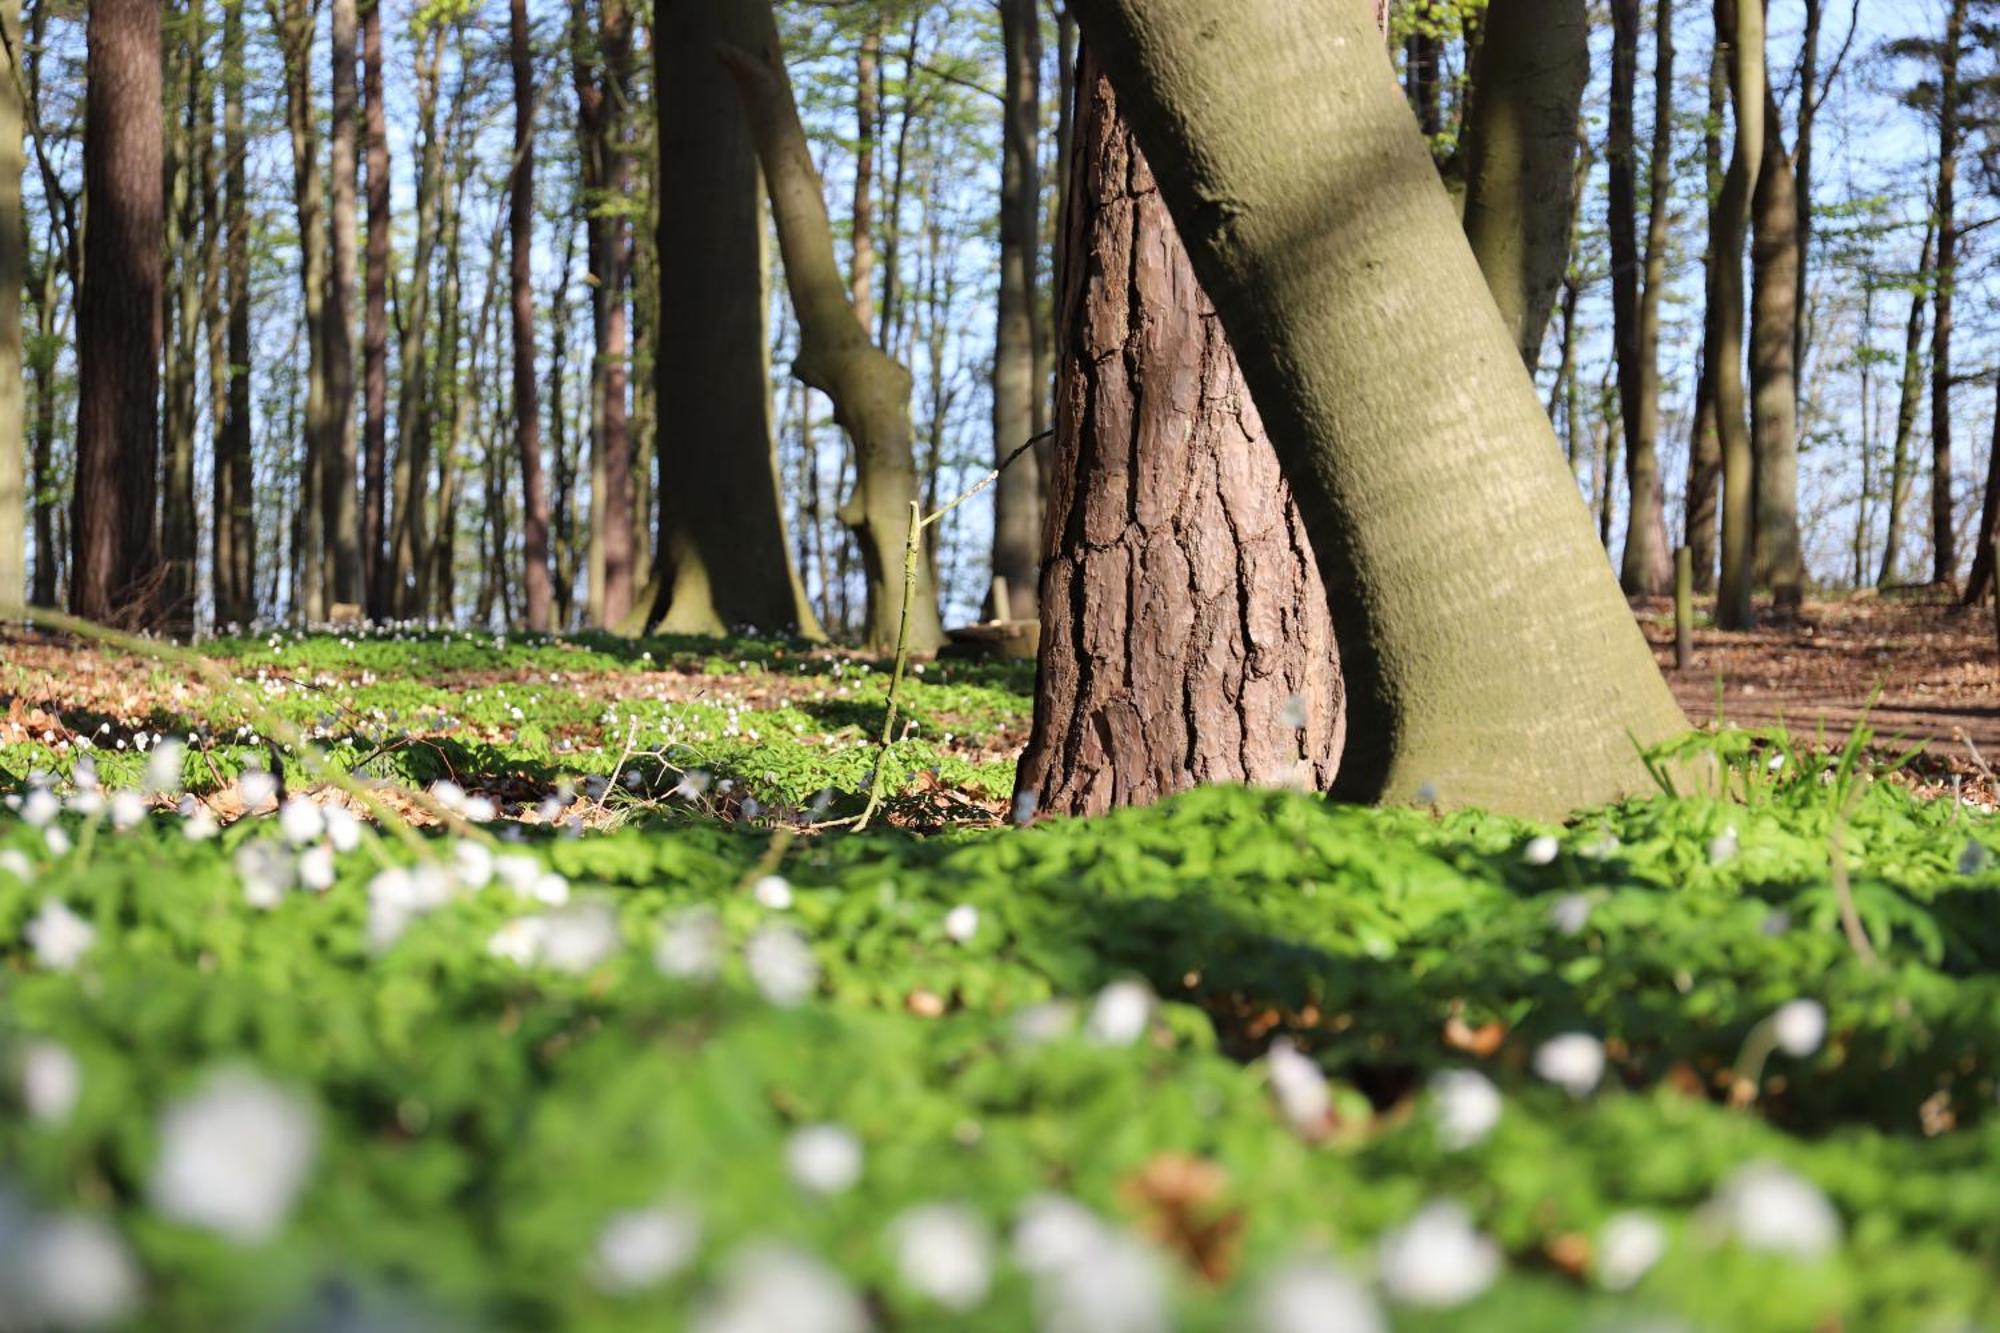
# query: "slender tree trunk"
1910,393
1186,635
338,503
1521,147
1487,654
1981,578
114,559
42,360
1705,437
376,566
1741,24
1778,562
527,412
867,126
407,585
1865,359
1810,96
308,547
562,500
1944,551
13,277
235,511
1017,495
182,315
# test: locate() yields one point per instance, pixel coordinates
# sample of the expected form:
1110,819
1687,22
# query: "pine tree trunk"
1778,561
527,412
13,276
1743,22
1520,150
114,560
1186,637
376,566
1017,495
1488,657
1944,551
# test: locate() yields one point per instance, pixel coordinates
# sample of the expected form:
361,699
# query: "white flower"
472,863
772,1288
690,946
1573,1062
774,892
1627,1248
825,1159
1052,1230
1541,850
1570,913
234,1155
301,821
163,767
128,811
316,870
67,1272
644,1247
1437,1259
1315,1296
200,825
944,1251
1799,1026
16,863
343,830
89,802
449,795
1116,1286
576,939
1722,847
519,941
56,840
59,936
266,870
1038,1024
518,871
961,923
257,788
1767,1207
51,1081
781,964
40,806
1299,1086
1120,1014
1466,1106
479,809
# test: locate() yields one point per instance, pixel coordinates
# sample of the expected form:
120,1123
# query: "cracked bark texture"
1185,631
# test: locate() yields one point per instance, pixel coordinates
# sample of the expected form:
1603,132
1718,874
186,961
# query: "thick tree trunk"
13,276
376,566
1778,561
235,510
308,547
1017,495
1488,656
1186,637
338,503
114,559
1741,24
1520,150
1705,436
527,412
869,389
1944,552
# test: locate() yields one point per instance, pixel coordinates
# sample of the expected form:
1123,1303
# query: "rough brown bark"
1774,252
1186,637
338,503
527,411
376,565
1017,495
114,558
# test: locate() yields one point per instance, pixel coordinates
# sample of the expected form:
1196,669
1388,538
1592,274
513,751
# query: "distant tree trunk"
1520,151
182,315
562,499
1944,552
1741,24
1778,562
1865,360
308,547
234,517
376,565
869,389
1487,655
527,413
867,125
1811,94
1981,578
338,502
1647,567
1705,436
114,560
405,560
42,361
1423,58
1186,637
1017,495
13,276
1909,396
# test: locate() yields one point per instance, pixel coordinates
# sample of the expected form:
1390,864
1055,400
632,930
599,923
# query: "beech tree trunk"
114,558
376,565
13,276
1705,437
1742,21
1017,495
1520,150
1944,550
1906,412
338,464
181,323
235,512
527,412
1774,253
1186,637
1488,656
309,551
406,559
869,389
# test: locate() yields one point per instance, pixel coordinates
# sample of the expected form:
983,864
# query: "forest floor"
1933,664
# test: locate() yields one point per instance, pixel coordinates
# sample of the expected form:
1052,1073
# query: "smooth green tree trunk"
13,274
1742,26
1488,655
